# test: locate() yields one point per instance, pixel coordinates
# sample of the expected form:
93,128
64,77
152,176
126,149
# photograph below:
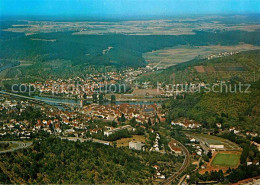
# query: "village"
83,87
106,124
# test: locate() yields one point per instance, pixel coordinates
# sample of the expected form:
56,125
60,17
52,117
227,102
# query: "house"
251,134
256,144
199,152
161,177
136,145
173,146
68,131
156,167
218,125
95,130
234,130
176,150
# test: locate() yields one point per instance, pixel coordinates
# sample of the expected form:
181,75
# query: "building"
136,145
213,144
174,147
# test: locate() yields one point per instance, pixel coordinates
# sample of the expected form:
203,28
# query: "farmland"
171,56
174,26
241,66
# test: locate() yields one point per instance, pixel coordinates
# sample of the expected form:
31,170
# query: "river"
58,102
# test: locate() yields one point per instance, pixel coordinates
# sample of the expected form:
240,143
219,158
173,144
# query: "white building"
136,145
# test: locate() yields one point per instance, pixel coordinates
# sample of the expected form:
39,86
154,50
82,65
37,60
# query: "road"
37,100
20,145
86,139
185,164
14,178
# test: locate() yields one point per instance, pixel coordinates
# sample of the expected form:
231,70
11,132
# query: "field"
171,56
222,161
125,141
226,159
173,26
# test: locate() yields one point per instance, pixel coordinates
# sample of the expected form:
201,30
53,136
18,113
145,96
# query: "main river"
59,101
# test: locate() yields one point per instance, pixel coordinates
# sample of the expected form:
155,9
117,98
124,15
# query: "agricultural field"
173,26
226,159
164,58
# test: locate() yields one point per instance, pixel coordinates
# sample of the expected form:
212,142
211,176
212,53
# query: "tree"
149,122
122,119
101,97
113,123
244,154
209,154
133,122
114,144
95,98
113,99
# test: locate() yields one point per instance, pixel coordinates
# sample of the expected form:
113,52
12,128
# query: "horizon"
115,18
124,9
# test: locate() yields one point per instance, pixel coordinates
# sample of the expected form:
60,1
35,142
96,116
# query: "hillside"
241,67
230,109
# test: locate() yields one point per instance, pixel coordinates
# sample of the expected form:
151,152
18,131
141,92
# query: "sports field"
226,159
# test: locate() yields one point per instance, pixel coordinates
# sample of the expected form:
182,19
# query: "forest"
88,163
229,109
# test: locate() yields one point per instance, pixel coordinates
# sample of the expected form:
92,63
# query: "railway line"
185,164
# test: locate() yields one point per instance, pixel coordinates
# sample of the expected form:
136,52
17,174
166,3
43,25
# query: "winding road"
14,178
185,164
20,145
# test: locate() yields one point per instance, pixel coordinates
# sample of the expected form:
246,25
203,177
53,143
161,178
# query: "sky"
105,8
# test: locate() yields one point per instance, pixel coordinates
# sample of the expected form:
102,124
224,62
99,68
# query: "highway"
185,164
20,145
